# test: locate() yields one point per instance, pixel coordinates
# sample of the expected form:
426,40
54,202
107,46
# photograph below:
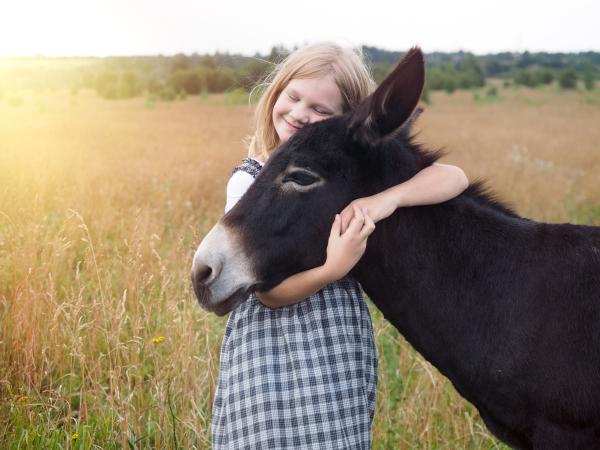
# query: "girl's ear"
392,103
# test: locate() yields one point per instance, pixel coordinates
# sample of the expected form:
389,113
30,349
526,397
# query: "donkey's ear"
392,103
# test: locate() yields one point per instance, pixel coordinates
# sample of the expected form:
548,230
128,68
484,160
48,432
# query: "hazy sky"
141,27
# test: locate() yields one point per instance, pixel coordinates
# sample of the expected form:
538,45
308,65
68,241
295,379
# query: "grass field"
102,204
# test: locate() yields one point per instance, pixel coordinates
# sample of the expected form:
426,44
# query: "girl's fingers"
335,228
357,221
347,215
368,227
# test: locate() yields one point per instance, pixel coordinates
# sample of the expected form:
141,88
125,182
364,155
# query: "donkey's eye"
300,177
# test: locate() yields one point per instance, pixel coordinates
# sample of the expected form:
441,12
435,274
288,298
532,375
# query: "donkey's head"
281,225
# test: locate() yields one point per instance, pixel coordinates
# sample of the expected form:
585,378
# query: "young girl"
298,365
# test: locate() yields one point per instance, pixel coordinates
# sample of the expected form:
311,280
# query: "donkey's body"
507,308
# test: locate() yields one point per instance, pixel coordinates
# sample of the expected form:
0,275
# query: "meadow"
103,203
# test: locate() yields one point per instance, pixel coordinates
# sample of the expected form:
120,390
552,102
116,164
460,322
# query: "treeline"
171,77
167,78
463,70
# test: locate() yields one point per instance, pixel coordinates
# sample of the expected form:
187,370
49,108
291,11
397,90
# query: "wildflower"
158,340
74,436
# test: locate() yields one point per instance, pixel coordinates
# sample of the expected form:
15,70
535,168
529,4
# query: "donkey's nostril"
202,273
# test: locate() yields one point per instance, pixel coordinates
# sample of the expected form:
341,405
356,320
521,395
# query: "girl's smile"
304,101
290,126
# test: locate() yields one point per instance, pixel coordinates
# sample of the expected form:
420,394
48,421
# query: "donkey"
505,307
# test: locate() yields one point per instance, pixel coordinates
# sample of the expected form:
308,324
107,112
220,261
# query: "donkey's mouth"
225,306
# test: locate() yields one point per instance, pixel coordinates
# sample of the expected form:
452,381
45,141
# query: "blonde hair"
317,60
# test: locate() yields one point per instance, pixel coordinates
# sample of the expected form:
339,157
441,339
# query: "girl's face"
304,101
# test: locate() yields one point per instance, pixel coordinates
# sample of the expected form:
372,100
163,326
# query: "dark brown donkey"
507,308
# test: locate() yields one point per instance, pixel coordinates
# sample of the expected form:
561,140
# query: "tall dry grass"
102,205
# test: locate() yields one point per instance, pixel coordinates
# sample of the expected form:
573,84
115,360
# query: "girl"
298,365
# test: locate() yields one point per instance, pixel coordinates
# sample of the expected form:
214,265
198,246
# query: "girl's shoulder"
240,180
249,165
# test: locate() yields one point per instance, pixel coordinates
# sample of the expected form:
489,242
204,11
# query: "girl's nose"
299,115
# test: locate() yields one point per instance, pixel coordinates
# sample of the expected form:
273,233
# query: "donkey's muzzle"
221,274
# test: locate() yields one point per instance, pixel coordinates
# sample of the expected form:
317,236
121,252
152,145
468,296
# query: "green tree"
568,78
525,60
180,62
450,84
208,61
543,76
129,85
187,81
471,72
105,84
219,79
251,73
524,77
589,77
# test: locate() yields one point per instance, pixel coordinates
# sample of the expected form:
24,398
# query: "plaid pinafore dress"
298,377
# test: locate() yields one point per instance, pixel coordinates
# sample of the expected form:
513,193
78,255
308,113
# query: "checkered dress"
299,377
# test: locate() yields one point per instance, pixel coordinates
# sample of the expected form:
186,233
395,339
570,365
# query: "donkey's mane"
478,190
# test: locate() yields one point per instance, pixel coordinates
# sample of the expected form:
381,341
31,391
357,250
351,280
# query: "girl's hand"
346,248
380,206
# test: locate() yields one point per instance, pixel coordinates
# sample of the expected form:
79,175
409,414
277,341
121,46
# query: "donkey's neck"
431,271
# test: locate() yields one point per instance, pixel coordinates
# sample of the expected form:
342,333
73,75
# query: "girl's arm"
434,184
343,251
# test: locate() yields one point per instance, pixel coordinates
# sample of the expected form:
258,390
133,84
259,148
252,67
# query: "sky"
149,27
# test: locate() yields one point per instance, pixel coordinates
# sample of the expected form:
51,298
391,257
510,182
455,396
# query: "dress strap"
249,166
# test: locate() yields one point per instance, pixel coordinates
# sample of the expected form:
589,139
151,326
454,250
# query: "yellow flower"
22,398
158,340
74,436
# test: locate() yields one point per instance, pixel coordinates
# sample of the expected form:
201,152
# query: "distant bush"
533,77
180,62
202,79
589,77
492,92
113,85
449,85
251,73
157,90
441,78
470,73
465,74
218,79
167,94
105,84
543,76
129,85
524,78
568,79
188,81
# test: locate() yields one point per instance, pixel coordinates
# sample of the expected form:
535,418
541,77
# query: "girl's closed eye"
320,110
